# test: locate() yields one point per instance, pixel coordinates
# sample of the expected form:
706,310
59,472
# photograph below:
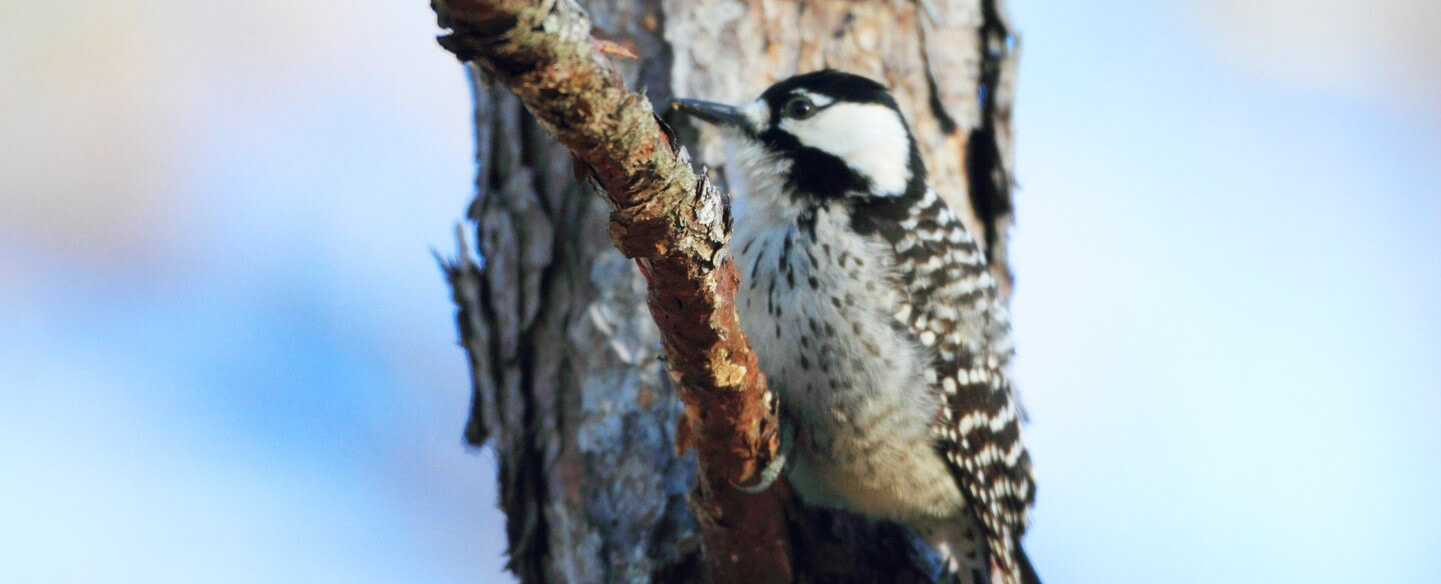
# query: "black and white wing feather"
955,310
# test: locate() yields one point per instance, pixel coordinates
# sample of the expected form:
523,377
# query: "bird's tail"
962,551
1023,566
967,559
1017,571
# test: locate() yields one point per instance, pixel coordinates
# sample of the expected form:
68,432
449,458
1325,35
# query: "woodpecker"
877,322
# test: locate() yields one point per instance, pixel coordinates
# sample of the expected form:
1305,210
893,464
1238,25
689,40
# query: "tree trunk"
569,385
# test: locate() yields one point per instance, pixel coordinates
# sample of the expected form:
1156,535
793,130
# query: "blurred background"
227,354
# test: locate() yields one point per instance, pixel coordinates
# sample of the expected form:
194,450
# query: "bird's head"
823,134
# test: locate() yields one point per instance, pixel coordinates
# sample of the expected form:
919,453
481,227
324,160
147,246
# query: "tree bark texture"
570,386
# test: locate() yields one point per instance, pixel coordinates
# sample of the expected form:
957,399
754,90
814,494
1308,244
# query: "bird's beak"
716,113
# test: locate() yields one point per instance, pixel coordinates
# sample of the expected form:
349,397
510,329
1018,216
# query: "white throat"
757,179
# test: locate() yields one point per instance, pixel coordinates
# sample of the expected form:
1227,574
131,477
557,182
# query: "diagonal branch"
675,225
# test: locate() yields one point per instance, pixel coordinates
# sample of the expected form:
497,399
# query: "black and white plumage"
877,320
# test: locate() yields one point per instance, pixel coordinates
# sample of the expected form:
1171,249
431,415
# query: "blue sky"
228,354
1225,311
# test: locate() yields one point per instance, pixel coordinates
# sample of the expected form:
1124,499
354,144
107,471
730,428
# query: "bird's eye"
799,108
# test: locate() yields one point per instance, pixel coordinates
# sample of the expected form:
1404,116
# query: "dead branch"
676,226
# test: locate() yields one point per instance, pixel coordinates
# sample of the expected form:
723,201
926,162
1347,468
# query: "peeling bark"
566,363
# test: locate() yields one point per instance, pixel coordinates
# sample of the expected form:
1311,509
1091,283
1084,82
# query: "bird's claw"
772,471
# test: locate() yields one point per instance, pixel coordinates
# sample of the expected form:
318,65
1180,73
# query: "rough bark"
675,225
567,376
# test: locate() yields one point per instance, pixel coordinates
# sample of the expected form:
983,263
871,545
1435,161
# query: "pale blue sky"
1226,311
228,354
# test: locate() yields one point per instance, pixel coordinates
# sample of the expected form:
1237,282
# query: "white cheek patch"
869,138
